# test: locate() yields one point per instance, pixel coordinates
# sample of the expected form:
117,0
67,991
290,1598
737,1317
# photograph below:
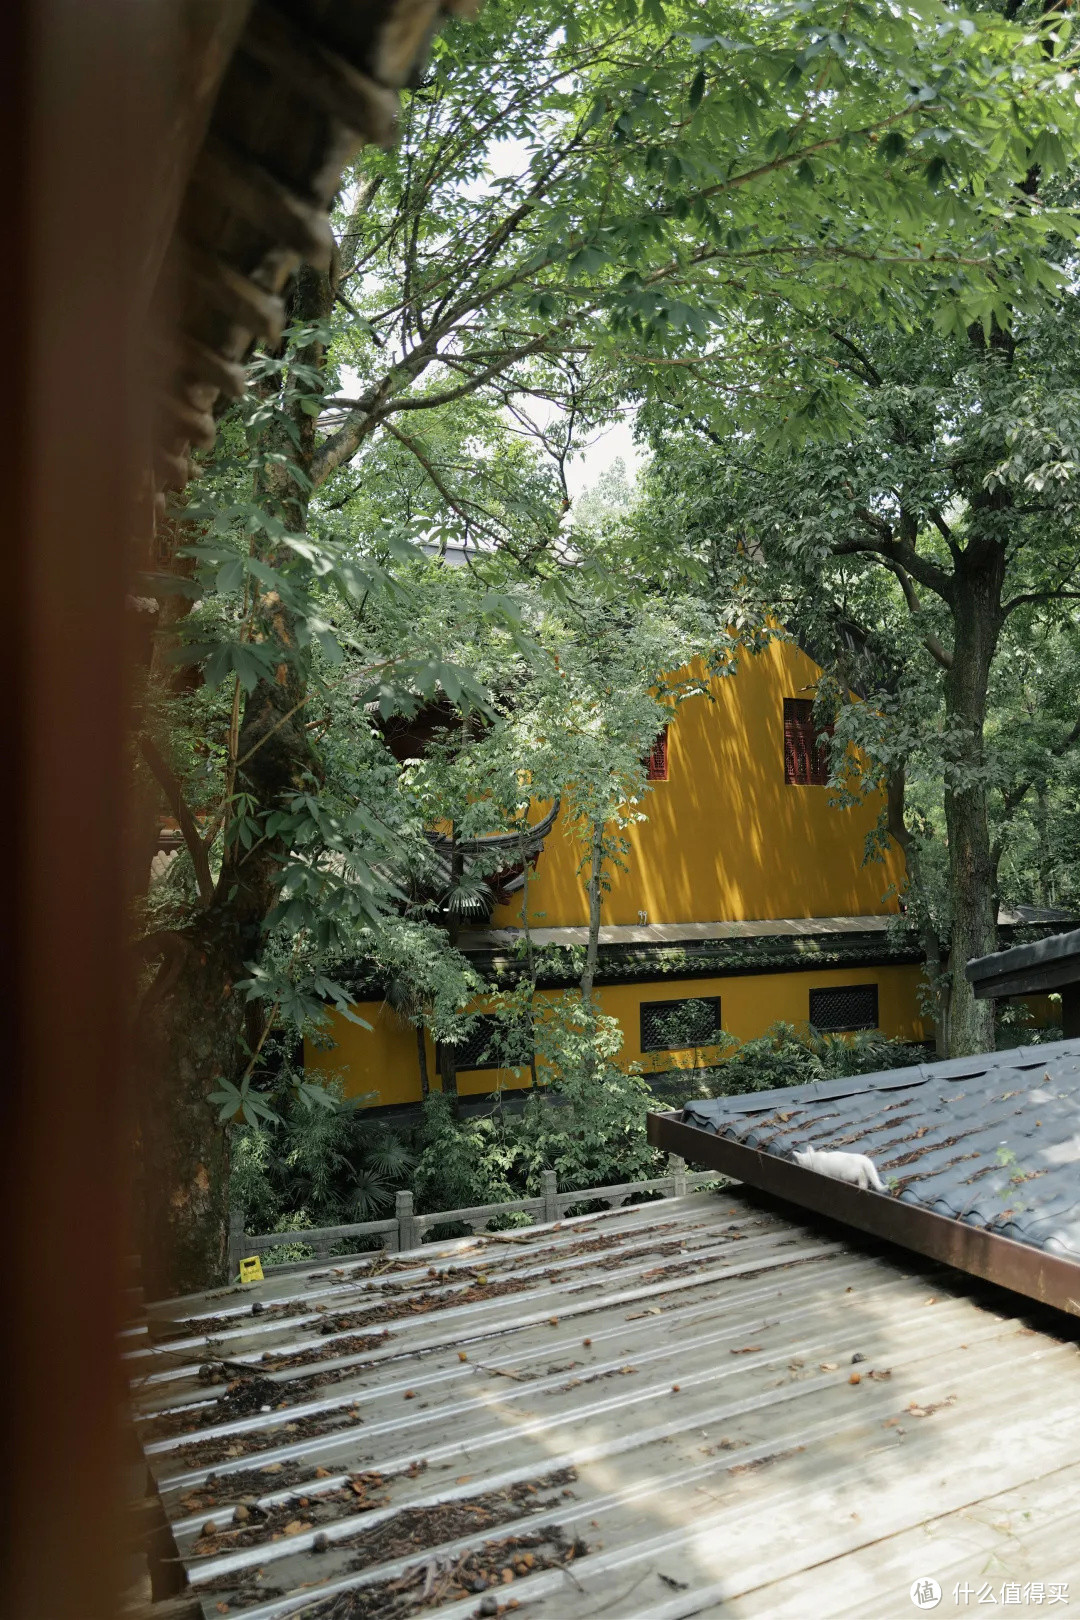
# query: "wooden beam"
244,185
1030,981
321,76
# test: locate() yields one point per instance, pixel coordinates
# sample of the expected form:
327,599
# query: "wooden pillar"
1070,1011
90,168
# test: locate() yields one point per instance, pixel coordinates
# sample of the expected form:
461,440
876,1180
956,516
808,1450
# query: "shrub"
321,1166
784,1056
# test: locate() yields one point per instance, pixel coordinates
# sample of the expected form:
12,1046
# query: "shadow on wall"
726,836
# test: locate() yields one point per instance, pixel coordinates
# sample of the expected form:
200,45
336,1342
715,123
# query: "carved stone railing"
407,1229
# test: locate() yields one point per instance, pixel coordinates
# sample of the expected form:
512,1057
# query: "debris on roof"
612,1415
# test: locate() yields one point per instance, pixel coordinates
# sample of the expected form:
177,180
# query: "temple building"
746,900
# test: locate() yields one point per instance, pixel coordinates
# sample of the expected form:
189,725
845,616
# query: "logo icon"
925,1593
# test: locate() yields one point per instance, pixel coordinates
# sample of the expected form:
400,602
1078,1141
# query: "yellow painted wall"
384,1059
726,837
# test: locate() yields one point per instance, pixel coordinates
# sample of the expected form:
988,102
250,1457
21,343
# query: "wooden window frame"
656,759
806,752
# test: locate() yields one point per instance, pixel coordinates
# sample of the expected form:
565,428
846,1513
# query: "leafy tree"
569,191
954,486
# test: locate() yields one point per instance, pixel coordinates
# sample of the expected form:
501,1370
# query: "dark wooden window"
806,751
677,1026
491,1043
656,760
844,1008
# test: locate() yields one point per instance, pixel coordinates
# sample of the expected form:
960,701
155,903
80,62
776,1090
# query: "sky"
606,445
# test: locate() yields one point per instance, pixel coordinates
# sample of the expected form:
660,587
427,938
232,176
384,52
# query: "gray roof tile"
992,1140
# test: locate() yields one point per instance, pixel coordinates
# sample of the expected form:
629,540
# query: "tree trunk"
595,893
190,1028
447,1056
421,1061
977,621
186,1034
530,958
896,820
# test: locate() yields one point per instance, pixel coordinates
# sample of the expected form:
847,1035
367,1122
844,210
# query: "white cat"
855,1168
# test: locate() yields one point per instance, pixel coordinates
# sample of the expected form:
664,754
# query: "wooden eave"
284,97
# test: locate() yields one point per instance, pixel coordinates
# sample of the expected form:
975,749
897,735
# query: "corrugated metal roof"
688,1407
991,1140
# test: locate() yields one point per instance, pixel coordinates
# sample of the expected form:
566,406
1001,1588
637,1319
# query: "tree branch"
169,783
1030,597
934,647
896,552
451,500
873,375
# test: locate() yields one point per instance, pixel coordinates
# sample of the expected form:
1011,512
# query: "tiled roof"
992,1140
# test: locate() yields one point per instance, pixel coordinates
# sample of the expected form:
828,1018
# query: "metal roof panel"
608,1416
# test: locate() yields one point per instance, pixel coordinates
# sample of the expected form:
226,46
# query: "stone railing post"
236,1244
549,1186
408,1237
677,1171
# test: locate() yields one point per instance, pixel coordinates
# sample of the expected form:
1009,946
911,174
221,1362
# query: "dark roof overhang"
1045,964
284,94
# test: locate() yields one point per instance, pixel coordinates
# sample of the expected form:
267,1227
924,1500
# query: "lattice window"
677,1026
656,760
844,1008
491,1043
806,750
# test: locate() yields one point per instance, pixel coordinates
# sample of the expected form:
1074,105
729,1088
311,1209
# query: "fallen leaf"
928,1411
463,1479
322,1473
855,1378
409,1395
462,1356
747,1350
586,1343
828,1366
880,1373
553,1321
272,1468
674,1389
